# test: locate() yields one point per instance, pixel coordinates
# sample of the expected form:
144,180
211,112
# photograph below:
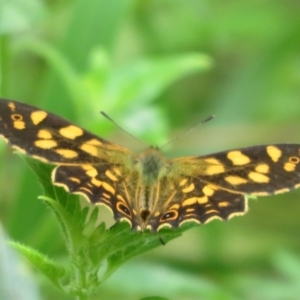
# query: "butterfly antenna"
116,124
188,130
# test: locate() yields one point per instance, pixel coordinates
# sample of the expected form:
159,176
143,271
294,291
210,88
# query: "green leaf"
95,253
140,82
15,279
43,263
128,91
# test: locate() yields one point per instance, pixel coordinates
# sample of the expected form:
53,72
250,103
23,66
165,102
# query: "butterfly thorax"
152,167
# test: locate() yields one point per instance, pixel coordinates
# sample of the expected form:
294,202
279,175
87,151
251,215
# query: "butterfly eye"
121,207
170,215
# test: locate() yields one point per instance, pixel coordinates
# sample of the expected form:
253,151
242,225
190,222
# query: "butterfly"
148,190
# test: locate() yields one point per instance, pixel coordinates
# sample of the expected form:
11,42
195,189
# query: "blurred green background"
159,67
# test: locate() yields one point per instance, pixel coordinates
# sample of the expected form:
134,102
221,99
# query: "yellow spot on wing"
74,179
214,166
96,182
274,153
189,188
202,200
38,116
262,168
71,132
44,134
111,176
107,201
212,211
19,125
106,195
82,188
183,181
189,201
207,191
174,206
66,153
45,144
223,204
121,198
289,167
12,106
258,177
108,187
212,161
90,149
92,172
94,142
87,167
193,200
235,180
211,170
238,158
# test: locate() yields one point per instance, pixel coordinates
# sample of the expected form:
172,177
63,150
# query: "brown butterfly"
148,190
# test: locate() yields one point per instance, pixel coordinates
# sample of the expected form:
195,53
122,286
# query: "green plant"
94,252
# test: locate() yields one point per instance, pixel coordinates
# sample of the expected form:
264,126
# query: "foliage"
94,252
148,64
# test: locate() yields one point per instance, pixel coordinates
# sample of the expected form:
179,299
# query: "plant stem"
80,277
